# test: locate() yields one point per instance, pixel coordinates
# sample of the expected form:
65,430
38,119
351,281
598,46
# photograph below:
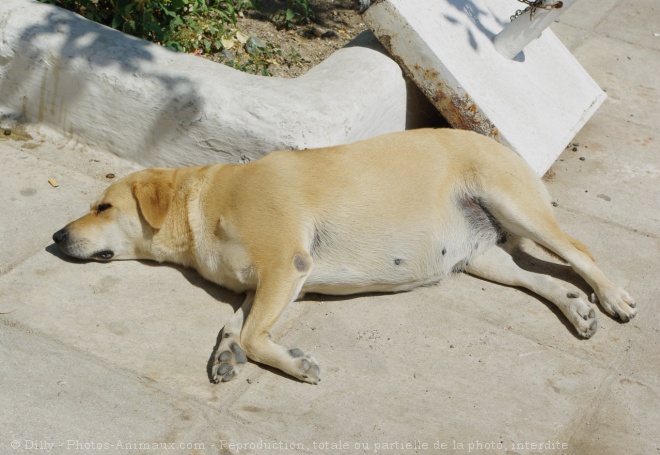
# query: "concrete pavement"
110,358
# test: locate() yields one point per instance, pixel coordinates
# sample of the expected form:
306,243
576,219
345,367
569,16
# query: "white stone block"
535,103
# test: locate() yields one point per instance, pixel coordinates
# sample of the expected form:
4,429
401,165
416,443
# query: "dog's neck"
174,241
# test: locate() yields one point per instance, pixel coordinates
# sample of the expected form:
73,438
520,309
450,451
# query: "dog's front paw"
305,367
618,303
228,360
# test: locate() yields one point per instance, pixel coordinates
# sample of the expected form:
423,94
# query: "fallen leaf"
227,43
242,38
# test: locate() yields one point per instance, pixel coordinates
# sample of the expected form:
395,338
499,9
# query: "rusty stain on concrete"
458,109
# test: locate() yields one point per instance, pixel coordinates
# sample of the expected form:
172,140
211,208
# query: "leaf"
116,21
169,12
289,15
227,43
242,38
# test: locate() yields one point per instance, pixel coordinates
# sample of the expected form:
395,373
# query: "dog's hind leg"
529,214
279,284
497,265
229,357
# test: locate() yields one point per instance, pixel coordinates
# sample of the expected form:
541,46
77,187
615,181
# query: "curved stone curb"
162,108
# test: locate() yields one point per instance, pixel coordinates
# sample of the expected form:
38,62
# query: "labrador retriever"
381,215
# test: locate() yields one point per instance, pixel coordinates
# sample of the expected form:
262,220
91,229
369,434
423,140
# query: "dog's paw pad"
228,362
305,367
588,325
583,317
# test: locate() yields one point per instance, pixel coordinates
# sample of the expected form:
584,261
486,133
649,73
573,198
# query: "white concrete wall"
162,108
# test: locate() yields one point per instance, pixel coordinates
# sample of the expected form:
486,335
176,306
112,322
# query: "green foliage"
260,60
184,25
297,12
257,62
199,26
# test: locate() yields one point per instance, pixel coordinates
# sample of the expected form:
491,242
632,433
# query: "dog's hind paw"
305,367
588,324
228,360
618,303
581,315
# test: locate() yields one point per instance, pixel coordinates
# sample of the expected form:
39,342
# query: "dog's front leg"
279,284
229,358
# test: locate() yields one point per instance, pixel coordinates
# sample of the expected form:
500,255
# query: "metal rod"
528,26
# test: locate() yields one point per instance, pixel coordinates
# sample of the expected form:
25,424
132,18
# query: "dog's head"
122,222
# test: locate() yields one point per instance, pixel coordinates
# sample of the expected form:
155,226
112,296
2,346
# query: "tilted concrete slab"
158,107
535,103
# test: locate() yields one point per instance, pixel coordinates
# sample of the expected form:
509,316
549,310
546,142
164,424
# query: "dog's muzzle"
61,238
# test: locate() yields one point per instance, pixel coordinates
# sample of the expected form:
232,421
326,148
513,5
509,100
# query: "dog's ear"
153,196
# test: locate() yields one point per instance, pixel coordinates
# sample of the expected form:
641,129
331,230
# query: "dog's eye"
103,207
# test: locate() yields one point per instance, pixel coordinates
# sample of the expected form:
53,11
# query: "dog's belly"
396,260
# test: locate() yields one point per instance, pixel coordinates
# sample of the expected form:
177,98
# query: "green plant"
199,26
258,59
184,25
298,12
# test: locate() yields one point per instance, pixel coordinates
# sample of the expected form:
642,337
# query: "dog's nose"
60,235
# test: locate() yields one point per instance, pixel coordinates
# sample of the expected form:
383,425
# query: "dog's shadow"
523,258
218,293
533,262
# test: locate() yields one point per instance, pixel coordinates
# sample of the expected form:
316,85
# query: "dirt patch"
290,52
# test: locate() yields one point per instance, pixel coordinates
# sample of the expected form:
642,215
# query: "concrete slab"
30,198
36,205
637,98
158,322
634,22
584,17
612,167
534,103
627,398
64,401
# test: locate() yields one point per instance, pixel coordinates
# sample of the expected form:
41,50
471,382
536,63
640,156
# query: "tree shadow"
477,16
266,9
30,73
